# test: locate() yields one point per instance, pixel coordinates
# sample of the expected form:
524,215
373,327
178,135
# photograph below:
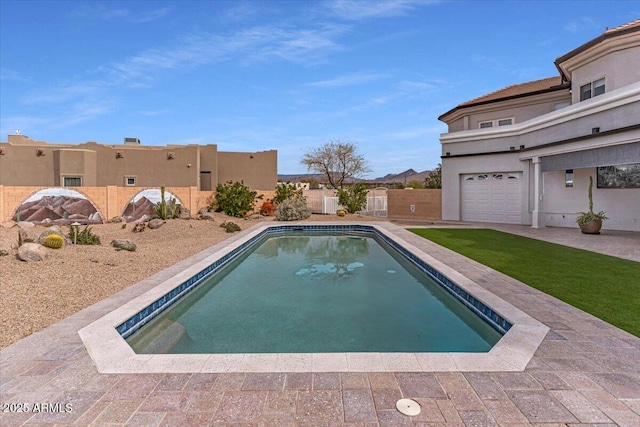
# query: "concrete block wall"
427,204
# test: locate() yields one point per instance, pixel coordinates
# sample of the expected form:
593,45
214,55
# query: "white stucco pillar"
537,220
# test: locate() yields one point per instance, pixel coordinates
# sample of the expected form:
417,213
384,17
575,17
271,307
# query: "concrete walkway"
585,373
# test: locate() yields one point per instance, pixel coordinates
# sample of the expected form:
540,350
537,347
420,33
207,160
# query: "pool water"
309,293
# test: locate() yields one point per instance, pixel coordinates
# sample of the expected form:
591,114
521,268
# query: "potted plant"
590,222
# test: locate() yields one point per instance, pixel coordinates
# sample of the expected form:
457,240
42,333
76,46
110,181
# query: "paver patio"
585,372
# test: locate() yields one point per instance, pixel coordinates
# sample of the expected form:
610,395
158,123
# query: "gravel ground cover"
35,295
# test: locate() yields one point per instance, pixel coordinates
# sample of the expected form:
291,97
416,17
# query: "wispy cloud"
583,23
12,75
355,10
106,13
153,113
250,45
347,80
62,93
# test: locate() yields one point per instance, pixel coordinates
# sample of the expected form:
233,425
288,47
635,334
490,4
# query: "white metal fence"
326,202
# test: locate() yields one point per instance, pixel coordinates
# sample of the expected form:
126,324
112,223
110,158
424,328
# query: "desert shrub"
353,198
292,210
267,208
83,237
230,227
235,199
286,191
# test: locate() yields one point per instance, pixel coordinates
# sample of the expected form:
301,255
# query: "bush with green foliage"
164,210
415,184
292,210
353,197
434,180
285,191
83,237
235,199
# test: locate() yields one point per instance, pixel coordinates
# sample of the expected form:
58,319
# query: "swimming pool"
306,291
105,338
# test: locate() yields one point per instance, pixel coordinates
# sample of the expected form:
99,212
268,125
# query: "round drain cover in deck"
408,407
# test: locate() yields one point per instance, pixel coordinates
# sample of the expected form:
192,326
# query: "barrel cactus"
53,241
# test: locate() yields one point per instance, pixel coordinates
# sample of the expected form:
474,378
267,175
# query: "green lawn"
604,286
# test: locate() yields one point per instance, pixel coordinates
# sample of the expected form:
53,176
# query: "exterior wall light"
170,156
39,152
1,152
119,155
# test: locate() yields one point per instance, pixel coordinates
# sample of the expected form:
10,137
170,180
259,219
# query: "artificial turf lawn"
605,286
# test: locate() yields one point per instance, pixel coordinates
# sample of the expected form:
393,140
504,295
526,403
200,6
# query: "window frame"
494,123
65,178
588,90
569,176
600,176
127,178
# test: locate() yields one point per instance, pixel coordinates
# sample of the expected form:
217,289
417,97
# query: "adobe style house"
27,162
524,154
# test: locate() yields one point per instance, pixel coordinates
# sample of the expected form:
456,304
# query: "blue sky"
289,75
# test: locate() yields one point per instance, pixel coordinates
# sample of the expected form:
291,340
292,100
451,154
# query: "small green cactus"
53,241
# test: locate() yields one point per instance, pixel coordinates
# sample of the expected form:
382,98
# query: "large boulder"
32,252
156,223
208,216
25,237
127,245
184,213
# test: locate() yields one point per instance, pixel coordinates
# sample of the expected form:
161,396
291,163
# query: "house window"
622,176
72,181
592,89
482,177
130,181
568,178
493,123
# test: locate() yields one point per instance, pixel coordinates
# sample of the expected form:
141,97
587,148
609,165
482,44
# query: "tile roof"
623,27
516,90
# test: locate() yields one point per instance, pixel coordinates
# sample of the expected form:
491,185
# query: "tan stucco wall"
255,169
427,202
26,162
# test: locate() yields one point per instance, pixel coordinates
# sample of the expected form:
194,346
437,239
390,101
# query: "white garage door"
492,197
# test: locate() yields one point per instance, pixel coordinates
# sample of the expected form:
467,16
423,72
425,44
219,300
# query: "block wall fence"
109,201
427,204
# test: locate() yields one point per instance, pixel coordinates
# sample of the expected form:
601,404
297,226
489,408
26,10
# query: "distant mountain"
390,178
301,177
405,176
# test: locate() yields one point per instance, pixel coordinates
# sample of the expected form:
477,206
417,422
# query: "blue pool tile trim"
145,315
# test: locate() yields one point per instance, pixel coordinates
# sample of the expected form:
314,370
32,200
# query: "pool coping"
111,353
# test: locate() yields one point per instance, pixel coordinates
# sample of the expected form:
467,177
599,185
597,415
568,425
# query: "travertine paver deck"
585,372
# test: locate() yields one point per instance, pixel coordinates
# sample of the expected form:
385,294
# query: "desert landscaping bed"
38,294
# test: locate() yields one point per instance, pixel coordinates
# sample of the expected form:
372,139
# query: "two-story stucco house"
524,154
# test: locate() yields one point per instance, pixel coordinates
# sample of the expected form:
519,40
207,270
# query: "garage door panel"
492,197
